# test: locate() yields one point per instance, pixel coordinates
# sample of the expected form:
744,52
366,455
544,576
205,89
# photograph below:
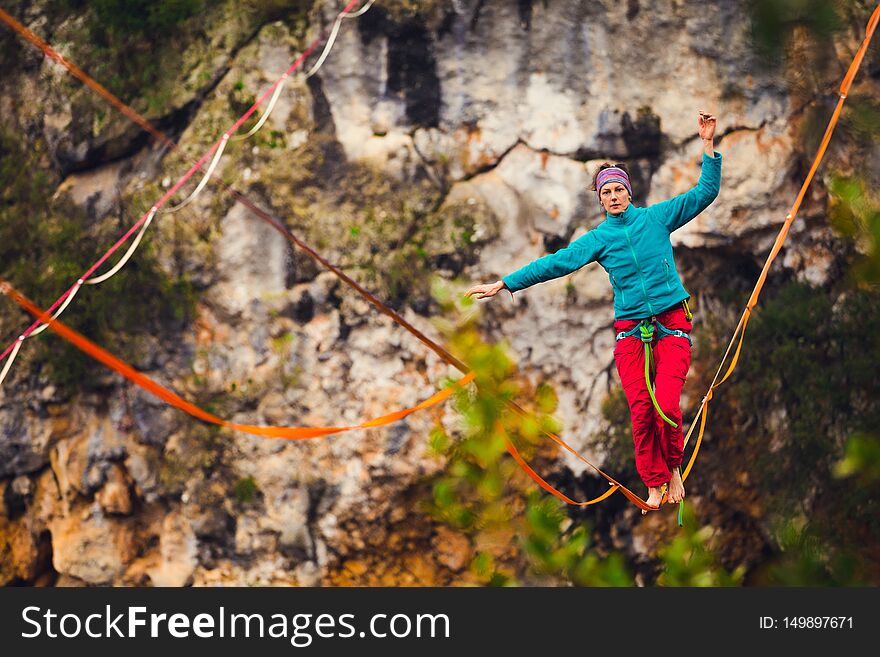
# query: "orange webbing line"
241,198
615,485
512,450
284,231
289,433
780,238
82,76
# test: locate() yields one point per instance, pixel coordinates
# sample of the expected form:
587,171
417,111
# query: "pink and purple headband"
612,174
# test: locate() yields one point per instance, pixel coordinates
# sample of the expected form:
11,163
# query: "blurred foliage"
855,213
689,562
774,22
46,243
124,40
861,459
810,371
484,494
807,556
806,388
126,17
824,372
801,34
806,391
808,39
860,118
558,547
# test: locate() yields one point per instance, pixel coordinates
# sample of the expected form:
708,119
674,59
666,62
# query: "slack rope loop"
327,48
11,359
263,118
511,449
615,485
91,281
58,312
288,433
204,181
334,32
134,245
137,118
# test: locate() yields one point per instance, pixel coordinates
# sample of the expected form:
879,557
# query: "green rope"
680,507
648,358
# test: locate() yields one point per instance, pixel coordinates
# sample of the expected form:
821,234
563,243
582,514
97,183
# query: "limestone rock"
452,548
90,546
114,497
177,550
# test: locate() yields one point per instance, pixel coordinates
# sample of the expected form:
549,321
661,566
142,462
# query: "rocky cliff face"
457,139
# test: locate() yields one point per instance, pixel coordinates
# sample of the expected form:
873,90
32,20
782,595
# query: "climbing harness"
645,330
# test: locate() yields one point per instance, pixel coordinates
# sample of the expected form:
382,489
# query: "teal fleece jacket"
634,248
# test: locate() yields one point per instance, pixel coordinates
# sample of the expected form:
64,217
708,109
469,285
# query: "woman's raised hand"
485,291
707,125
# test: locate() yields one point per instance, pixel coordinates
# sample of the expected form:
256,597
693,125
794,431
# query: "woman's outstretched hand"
707,125
485,291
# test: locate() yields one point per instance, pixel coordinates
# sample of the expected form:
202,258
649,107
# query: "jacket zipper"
641,277
666,264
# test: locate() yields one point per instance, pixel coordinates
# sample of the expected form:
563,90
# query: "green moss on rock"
46,243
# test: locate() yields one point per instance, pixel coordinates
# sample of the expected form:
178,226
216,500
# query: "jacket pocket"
666,268
616,287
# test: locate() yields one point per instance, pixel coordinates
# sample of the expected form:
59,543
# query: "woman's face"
614,197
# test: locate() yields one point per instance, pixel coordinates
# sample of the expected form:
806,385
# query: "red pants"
658,444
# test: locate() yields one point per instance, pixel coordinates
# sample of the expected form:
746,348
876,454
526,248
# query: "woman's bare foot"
676,487
655,496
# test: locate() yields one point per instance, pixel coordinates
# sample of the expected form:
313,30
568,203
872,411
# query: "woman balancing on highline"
650,305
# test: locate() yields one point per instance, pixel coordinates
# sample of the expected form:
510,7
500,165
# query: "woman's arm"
583,250
679,210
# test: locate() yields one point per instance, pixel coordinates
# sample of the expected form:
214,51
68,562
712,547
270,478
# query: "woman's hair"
606,165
